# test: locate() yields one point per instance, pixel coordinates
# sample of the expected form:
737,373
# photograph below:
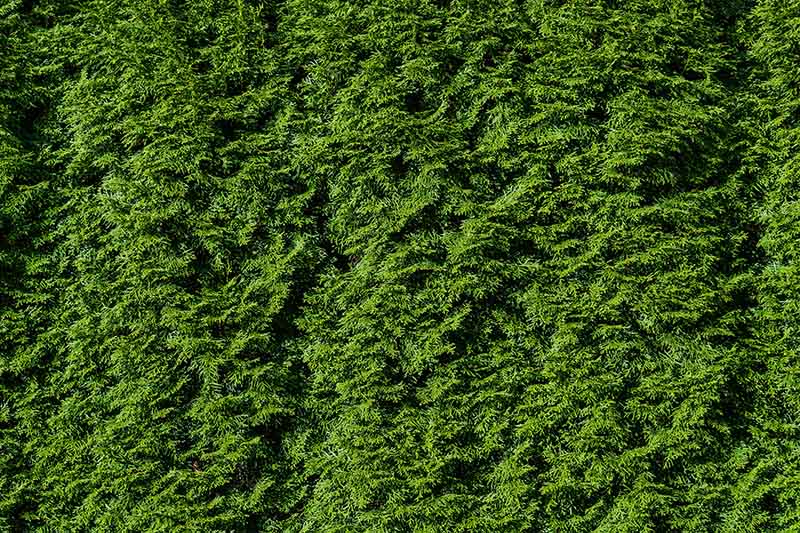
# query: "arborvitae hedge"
408,265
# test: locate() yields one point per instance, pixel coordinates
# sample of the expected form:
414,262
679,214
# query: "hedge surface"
408,265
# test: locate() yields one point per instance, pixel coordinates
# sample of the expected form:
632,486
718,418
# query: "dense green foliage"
408,265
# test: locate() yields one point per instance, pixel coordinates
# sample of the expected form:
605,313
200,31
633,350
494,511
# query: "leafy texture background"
408,265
